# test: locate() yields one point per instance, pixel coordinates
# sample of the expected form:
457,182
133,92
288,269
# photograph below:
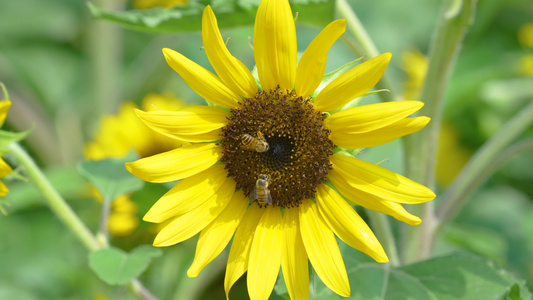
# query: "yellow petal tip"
192,273
151,217
128,167
382,259
414,221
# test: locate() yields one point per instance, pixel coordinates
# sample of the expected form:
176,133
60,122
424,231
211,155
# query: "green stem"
480,165
363,45
138,288
62,210
105,48
57,204
102,230
421,147
381,226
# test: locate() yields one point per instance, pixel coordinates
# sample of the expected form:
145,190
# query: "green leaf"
8,137
115,266
110,176
477,239
455,276
230,13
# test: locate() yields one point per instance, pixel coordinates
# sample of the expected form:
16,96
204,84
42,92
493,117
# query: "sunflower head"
257,168
298,146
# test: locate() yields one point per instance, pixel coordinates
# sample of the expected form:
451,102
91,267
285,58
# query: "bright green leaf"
110,176
115,266
476,239
455,276
230,13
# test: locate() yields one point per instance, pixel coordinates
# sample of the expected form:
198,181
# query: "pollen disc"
299,147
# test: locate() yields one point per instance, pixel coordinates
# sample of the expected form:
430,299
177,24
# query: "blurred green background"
64,70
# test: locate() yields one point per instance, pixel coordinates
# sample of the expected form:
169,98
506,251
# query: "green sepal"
18,175
356,101
8,137
329,77
347,152
4,90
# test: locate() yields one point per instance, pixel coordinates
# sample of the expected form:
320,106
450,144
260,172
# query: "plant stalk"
363,45
479,166
57,204
64,212
105,49
421,147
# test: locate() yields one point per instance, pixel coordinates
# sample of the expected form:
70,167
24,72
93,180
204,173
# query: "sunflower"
147,4
5,169
119,134
278,140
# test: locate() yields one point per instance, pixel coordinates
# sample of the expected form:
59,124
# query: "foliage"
110,177
230,13
115,266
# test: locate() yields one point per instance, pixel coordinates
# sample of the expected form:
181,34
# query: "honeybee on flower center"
258,144
261,192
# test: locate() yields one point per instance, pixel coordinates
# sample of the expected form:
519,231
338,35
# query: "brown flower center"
296,158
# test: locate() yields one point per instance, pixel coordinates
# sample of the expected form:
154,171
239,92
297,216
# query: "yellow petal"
293,256
185,226
231,70
3,189
370,117
323,250
352,84
347,224
4,107
175,164
313,62
188,194
370,201
379,136
214,238
376,180
5,169
240,247
203,82
275,48
265,255
193,124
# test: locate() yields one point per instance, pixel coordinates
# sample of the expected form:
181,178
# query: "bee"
258,144
261,192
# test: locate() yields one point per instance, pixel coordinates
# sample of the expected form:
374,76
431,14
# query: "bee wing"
269,199
253,195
